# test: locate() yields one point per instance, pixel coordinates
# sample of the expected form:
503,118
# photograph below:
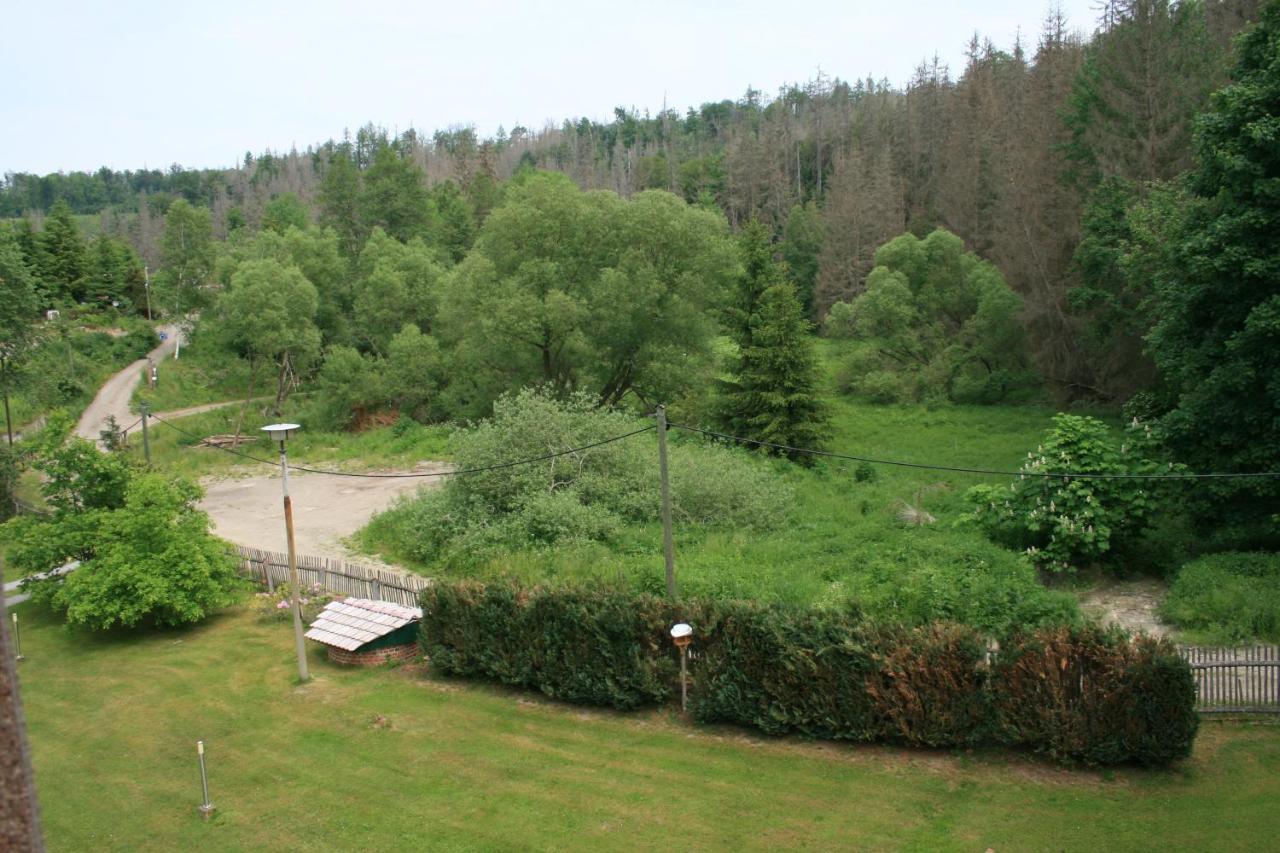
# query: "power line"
1070,475
500,466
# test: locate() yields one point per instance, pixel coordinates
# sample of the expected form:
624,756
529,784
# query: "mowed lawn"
395,759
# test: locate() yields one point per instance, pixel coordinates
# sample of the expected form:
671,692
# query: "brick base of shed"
374,657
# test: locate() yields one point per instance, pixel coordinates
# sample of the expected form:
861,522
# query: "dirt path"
249,510
114,396
1133,605
205,407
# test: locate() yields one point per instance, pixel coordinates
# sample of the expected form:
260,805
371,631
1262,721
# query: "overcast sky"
130,84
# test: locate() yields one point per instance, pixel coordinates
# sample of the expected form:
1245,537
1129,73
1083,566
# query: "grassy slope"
379,759
844,539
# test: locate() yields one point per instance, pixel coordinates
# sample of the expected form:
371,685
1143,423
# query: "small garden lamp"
281,433
682,636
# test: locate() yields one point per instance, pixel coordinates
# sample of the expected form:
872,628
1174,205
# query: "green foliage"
1076,695
582,497
62,259
457,219
188,254
394,198
77,477
268,313
1227,598
773,393
18,306
801,248
1065,523
584,291
596,647
154,562
398,284
934,321
283,212
1216,293
114,273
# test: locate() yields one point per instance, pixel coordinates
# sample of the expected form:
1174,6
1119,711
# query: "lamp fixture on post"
281,433
682,636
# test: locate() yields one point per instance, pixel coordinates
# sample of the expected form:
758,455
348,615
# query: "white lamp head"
280,432
681,634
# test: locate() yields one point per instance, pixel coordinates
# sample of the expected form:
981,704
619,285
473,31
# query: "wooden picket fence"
332,575
1243,680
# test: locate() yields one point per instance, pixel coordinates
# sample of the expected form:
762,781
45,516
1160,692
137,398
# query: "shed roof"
353,622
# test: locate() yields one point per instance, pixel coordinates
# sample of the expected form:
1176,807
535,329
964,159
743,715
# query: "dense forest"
1052,186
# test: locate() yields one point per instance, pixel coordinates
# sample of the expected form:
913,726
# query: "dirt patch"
1133,605
326,509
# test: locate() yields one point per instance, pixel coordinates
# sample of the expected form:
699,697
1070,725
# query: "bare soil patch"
1133,605
326,509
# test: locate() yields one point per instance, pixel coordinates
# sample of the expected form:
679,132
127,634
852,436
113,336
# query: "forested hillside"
1028,153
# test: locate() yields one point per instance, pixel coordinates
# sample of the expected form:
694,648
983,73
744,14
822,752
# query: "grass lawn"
397,759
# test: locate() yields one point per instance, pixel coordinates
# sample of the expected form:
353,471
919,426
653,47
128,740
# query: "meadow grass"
400,759
843,539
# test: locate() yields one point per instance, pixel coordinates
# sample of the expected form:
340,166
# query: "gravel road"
114,396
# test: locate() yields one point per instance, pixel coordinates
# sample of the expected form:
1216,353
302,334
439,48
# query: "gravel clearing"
249,510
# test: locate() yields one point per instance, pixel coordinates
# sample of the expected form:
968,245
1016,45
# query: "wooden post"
668,542
146,440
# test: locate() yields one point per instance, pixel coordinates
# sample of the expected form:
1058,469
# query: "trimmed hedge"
595,647
1076,695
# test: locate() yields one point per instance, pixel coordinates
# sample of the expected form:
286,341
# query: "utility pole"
668,543
146,440
281,432
146,285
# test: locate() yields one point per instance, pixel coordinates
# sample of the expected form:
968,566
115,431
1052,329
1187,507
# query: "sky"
147,84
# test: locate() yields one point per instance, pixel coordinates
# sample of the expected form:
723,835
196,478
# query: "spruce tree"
773,395
62,257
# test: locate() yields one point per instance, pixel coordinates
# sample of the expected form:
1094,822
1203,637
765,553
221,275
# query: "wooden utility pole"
146,439
668,543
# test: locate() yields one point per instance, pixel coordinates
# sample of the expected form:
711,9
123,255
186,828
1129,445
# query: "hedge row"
1078,695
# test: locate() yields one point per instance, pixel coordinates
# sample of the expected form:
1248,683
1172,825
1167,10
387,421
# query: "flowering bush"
276,605
1066,522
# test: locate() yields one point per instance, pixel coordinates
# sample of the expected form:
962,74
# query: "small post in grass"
682,635
17,638
206,807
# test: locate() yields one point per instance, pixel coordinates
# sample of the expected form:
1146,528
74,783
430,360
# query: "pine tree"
773,396
62,255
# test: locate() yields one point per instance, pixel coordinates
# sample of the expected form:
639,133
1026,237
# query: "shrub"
582,497
597,647
1073,694
1228,598
1097,697
1063,523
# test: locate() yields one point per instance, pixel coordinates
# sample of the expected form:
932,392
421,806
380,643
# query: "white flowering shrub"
1063,523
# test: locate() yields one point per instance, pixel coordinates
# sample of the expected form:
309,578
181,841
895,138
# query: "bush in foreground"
1077,695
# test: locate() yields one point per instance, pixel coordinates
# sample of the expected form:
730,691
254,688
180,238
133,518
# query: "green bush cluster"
581,497
1065,523
596,647
1227,598
1075,694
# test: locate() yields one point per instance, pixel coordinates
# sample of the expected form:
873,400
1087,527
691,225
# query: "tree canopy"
935,320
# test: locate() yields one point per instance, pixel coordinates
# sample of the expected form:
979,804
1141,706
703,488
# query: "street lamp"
280,433
682,635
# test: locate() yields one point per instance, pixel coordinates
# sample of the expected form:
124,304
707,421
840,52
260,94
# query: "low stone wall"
408,651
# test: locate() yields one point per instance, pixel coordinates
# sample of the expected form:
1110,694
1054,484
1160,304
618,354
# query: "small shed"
365,632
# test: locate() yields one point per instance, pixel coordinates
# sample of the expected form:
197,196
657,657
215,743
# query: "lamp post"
682,635
281,433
